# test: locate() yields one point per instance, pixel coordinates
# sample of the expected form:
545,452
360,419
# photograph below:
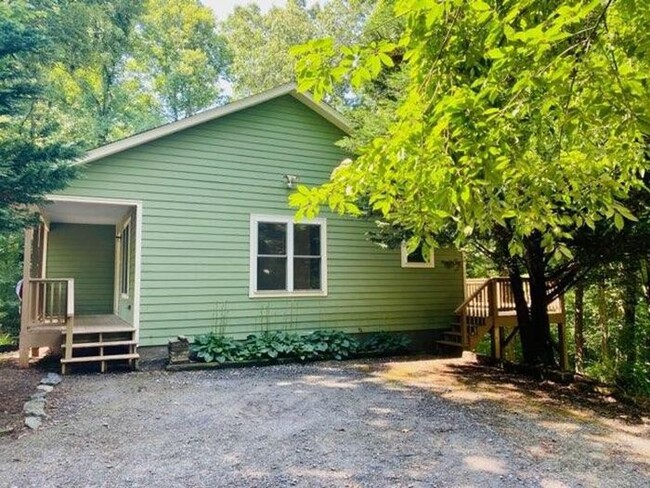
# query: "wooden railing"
49,301
487,300
473,284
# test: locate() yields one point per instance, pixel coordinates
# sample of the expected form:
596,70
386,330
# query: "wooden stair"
101,344
453,340
490,309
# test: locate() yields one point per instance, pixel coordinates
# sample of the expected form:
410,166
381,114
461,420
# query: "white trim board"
137,204
321,108
431,263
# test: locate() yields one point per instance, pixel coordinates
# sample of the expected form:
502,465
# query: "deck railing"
487,299
49,301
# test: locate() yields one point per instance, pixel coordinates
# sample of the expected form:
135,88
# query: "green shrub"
213,347
635,378
321,344
10,317
271,345
332,344
275,345
6,339
385,343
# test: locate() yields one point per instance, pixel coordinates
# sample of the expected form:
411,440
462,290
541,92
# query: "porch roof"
76,212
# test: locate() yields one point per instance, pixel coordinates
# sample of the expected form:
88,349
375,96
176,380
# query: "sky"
223,7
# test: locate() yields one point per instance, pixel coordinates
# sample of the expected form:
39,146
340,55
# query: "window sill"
288,294
418,266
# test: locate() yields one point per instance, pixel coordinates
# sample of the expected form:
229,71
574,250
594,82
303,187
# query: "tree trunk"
523,315
602,320
578,324
533,321
541,326
645,280
630,301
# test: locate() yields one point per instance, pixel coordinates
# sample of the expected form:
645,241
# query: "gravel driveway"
352,424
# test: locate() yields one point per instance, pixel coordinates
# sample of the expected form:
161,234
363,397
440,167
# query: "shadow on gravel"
558,412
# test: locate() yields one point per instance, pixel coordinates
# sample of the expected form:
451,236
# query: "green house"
185,229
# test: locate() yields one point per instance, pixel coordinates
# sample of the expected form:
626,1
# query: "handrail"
49,280
50,301
504,296
489,304
472,296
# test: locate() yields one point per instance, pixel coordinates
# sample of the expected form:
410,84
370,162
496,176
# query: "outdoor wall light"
290,180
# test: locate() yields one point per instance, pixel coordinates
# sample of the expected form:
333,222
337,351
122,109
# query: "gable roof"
320,108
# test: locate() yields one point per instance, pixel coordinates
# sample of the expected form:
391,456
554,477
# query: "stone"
35,407
33,422
51,379
38,395
6,431
45,388
179,350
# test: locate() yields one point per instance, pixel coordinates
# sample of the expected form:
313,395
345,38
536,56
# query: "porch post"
23,358
496,340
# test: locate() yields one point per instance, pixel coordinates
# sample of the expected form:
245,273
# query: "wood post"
496,342
25,307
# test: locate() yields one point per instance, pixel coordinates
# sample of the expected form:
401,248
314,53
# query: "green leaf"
479,5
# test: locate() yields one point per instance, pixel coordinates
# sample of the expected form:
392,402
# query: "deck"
490,308
89,324
86,339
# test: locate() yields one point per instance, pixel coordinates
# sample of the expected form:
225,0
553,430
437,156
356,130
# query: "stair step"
450,343
81,345
453,333
93,359
100,329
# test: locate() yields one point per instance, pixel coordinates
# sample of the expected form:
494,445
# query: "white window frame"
255,219
431,263
122,258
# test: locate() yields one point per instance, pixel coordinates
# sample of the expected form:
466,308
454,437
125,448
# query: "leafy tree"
10,273
522,122
94,93
32,159
260,42
183,55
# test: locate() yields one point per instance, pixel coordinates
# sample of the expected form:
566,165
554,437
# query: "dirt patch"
16,385
466,380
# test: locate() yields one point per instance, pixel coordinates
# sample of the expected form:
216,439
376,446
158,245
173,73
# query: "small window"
287,257
418,258
125,246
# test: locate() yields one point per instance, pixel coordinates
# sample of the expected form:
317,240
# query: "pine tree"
32,162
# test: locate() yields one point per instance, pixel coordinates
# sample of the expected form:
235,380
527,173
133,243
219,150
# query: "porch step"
100,329
450,343
454,333
99,339
95,359
106,343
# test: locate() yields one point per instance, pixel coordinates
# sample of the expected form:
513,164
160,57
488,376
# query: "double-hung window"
287,257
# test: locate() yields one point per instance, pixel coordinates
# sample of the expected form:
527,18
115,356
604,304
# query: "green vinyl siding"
198,188
85,253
